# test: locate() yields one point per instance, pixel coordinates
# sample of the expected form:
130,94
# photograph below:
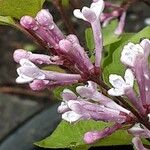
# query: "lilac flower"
36,58
90,92
91,104
92,15
125,87
67,50
133,53
29,72
43,27
76,53
92,137
119,84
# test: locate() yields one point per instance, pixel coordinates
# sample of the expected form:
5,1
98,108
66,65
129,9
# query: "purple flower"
92,15
29,72
119,84
84,105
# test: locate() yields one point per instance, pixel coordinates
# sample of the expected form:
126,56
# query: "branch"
22,91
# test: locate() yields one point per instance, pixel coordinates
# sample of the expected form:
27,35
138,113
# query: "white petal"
135,128
71,116
138,48
31,72
68,95
117,81
115,92
85,92
78,14
63,107
92,85
97,7
21,80
129,77
128,57
40,76
130,53
89,14
26,62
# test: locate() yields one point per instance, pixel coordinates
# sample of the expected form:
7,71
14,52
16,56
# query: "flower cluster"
66,51
90,102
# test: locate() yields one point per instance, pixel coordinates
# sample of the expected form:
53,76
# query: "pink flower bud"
20,54
38,85
44,18
65,45
28,22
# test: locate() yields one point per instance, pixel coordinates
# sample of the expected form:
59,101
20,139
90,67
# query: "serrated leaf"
71,136
116,67
19,8
7,20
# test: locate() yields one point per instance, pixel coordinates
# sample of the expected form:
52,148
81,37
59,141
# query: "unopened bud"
28,22
44,18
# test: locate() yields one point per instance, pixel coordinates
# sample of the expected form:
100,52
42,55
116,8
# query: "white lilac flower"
92,13
119,84
28,72
84,106
130,54
89,92
71,116
68,95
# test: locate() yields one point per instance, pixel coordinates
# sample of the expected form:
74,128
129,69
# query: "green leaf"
19,8
108,33
6,21
109,49
89,40
30,47
116,67
65,3
71,136
54,68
